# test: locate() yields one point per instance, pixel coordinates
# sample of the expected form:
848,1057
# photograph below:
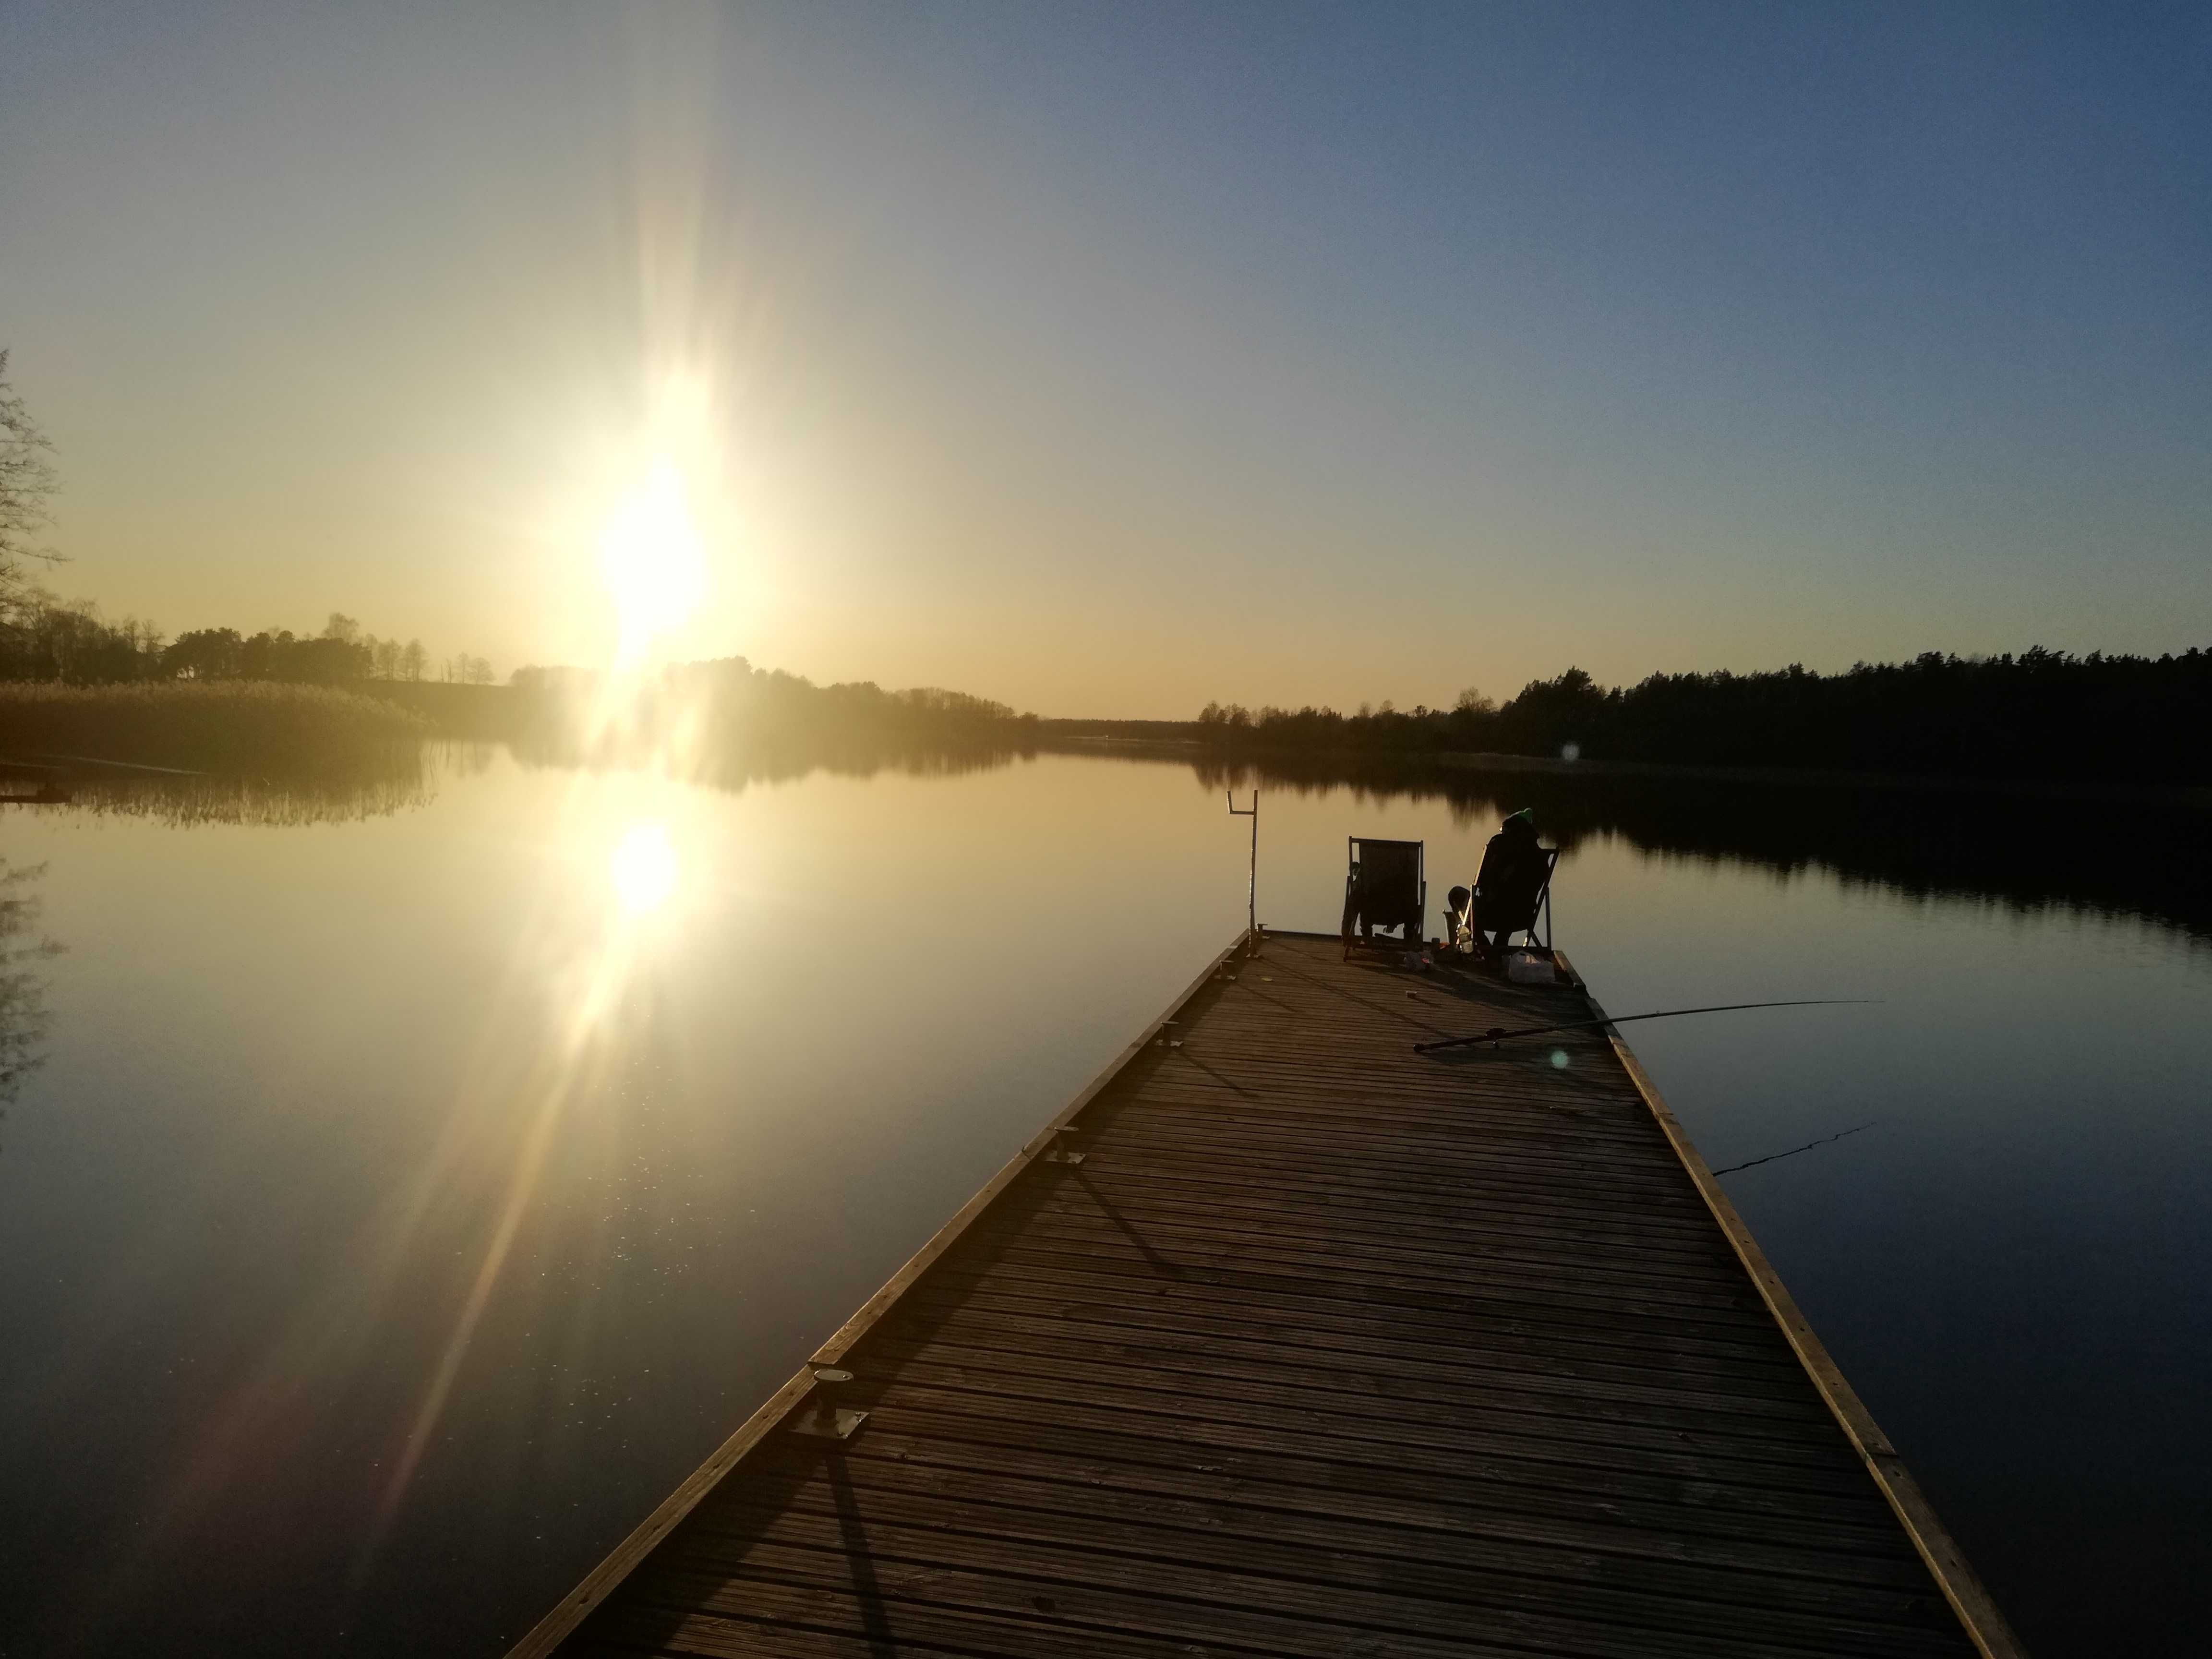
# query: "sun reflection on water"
643,868
582,964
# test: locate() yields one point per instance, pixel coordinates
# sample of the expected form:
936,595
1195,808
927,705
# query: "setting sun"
652,561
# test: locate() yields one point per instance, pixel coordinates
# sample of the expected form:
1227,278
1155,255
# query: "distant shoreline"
1189,747
241,724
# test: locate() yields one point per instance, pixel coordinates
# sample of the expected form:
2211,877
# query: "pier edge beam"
1954,1575
557,1627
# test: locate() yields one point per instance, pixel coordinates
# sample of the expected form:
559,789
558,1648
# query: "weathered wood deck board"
1326,1348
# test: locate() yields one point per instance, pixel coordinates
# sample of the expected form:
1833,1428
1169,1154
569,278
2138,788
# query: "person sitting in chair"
1514,867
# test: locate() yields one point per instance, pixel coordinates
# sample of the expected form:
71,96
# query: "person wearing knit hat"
1513,870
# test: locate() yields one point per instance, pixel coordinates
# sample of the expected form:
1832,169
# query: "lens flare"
643,869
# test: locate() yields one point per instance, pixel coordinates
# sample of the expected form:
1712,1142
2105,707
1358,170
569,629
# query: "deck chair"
1514,899
1385,887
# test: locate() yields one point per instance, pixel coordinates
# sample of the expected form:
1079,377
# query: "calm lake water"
406,1204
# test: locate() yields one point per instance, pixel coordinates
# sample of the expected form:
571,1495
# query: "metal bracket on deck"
1069,1137
1163,1041
823,1418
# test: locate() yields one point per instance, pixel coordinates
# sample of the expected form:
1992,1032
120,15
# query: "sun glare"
652,560
643,868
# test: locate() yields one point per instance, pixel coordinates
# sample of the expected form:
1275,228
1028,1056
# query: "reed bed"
187,800
232,728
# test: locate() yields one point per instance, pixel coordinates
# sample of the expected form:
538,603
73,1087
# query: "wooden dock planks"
1325,1348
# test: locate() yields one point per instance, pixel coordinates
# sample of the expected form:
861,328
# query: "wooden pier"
1321,1347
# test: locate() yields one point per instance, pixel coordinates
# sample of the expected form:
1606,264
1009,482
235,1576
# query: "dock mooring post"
1252,871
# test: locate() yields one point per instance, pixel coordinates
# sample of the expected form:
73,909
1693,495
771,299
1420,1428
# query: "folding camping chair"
1385,887
1512,900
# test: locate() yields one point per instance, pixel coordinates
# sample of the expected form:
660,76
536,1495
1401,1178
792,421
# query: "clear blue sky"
1108,358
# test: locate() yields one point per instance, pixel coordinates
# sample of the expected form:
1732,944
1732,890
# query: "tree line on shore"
726,707
2037,714
42,638
46,639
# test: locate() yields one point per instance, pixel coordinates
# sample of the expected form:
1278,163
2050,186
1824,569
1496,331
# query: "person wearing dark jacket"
1512,875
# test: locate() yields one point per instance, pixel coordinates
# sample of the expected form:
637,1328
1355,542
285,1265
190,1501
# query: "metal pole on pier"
1252,871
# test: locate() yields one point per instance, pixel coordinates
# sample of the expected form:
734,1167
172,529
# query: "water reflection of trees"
183,800
23,987
2138,857
405,782
780,759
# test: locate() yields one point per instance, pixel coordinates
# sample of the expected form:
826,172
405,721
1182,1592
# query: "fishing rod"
1497,1034
1841,1134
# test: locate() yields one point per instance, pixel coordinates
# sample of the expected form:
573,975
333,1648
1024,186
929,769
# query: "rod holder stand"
1252,869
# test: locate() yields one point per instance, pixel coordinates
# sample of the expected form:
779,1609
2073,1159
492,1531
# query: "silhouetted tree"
46,640
206,654
28,481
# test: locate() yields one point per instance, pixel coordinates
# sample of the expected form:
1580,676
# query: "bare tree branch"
28,479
